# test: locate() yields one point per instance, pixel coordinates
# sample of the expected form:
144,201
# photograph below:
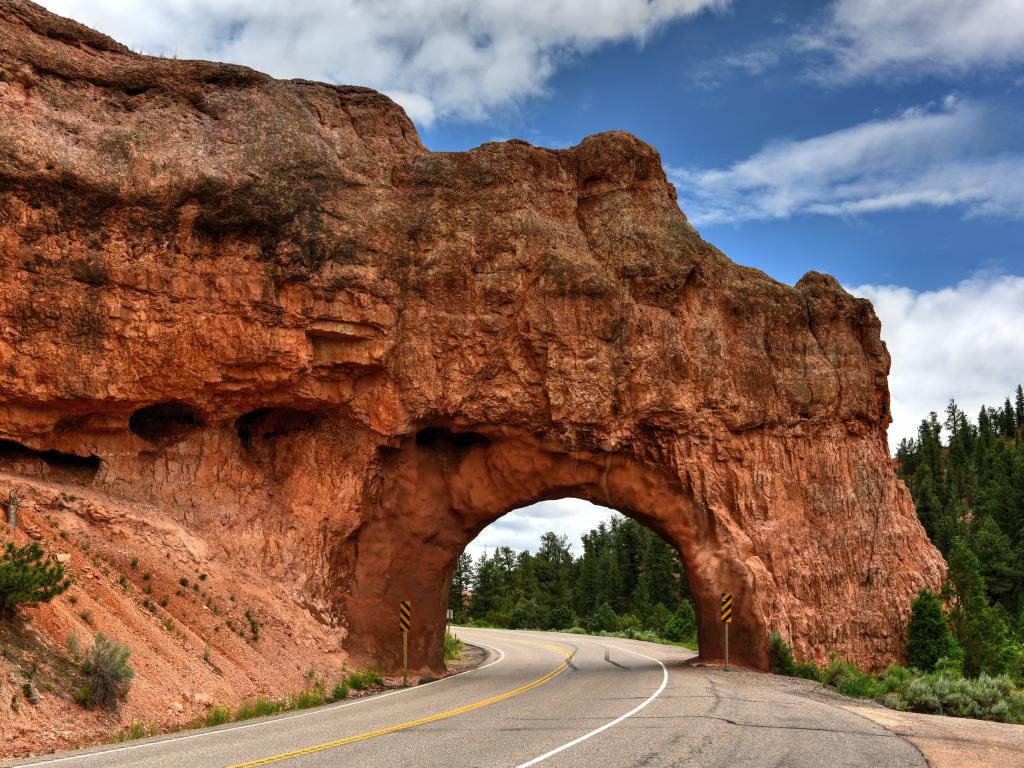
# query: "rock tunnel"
331,355
441,488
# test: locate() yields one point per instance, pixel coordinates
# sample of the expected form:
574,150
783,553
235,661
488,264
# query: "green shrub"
312,697
107,672
367,678
682,627
780,655
340,691
807,670
452,646
137,731
836,671
254,625
986,697
657,618
860,685
630,624
896,679
604,619
928,635
261,707
646,635
526,614
560,617
218,715
576,630
28,576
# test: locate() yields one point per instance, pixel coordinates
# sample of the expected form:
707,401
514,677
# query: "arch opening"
568,564
438,493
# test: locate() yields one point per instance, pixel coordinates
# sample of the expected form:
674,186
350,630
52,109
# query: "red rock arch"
311,288
436,497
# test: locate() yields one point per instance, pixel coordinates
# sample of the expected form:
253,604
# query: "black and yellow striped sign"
727,607
405,614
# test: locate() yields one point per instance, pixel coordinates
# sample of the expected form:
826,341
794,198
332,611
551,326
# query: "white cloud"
438,58
868,38
522,528
964,342
933,156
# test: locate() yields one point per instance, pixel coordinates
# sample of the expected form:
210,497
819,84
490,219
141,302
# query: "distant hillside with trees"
967,480
626,579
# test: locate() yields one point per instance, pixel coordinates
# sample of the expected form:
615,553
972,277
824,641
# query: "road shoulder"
951,742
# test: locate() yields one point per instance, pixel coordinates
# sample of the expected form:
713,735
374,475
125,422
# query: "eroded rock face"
335,356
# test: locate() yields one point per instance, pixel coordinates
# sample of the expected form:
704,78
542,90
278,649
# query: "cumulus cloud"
522,528
438,58
931,156
964,342
867,38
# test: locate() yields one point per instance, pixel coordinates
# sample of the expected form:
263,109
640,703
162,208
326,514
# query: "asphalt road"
556,700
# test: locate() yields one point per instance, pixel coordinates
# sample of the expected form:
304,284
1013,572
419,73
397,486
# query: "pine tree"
1019,408
27,577
461,586
928,635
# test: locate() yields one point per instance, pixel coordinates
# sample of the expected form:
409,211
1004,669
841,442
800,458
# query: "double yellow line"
421,721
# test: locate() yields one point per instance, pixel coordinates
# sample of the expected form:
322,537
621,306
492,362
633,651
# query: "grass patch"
340,691
261,707
452,646
361,680
218,715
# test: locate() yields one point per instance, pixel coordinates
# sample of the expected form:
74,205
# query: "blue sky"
882,142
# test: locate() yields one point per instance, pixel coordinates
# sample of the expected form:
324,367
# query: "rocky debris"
330,356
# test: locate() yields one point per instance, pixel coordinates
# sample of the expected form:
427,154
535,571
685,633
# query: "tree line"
967,480
626,579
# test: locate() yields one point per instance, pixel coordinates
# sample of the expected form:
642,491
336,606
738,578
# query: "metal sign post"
726,621
405,621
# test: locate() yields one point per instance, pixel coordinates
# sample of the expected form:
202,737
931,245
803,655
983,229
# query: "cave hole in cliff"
268,423
20,459
568,563
165,422
442,438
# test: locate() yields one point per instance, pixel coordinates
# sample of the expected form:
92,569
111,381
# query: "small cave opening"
22,460
164,422
443,438
267,423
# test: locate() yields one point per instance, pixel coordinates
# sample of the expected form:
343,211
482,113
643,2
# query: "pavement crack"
885,735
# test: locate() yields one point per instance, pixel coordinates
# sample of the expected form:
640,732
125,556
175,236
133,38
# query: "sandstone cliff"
262,313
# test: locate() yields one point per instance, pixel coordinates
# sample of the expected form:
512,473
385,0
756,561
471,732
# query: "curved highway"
549,699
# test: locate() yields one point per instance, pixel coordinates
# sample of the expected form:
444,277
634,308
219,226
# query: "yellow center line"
421,721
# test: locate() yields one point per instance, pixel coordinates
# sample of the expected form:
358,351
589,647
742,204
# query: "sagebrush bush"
108,674
985,697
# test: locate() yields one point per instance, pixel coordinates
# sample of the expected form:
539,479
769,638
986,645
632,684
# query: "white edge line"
616,721
273,721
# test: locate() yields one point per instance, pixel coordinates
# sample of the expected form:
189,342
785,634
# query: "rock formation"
266,310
